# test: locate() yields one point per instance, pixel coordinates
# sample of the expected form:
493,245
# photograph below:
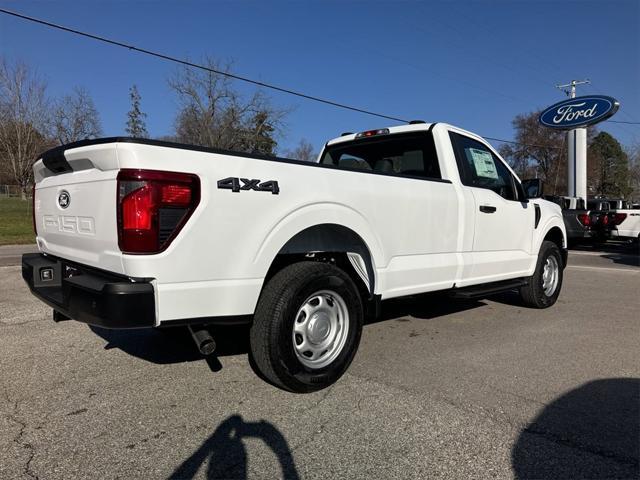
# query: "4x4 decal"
236,184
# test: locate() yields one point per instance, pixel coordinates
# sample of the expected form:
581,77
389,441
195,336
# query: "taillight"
33,209
153,206
619,218
605,219
584,219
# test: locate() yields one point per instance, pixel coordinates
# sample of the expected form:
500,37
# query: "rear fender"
311,216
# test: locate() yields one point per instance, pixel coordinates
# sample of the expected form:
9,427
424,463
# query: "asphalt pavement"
11,254
440,388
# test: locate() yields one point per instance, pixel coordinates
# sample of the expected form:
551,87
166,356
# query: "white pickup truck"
143,233
626,220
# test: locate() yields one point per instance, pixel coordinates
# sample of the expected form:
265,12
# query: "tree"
610,167
633,153
260,135
304,152
213,114
540,152
24,118
135,118
76,118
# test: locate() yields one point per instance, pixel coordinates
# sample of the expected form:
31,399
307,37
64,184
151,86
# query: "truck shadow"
624,259
225,453
425,306
612,247
590,432
175,345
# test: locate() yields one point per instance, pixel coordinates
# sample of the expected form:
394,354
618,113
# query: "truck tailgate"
75,205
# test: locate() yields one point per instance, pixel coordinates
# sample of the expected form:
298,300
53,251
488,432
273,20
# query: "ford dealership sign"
579,112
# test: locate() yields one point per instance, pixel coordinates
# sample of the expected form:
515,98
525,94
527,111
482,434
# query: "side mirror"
533,188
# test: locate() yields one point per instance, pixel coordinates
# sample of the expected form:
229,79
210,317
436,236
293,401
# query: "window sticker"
483,163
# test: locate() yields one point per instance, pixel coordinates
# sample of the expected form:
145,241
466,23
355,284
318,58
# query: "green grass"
16,224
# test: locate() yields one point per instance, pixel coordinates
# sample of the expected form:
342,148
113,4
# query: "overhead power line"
622,121
202,67
520,143
228,74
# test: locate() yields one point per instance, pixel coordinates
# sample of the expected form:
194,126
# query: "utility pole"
572,92
577,154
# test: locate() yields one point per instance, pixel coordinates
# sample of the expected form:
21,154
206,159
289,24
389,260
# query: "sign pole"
571,163
577,152
580,158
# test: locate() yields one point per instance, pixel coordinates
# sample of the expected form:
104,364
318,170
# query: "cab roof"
397,129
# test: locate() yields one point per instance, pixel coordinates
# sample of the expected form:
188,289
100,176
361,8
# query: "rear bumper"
89,295
625,233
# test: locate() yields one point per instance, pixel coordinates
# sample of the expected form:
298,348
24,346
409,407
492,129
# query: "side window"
479,167
411,155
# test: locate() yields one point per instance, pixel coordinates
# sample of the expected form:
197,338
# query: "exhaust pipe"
204,341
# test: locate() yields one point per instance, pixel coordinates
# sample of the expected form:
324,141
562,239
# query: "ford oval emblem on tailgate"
64,199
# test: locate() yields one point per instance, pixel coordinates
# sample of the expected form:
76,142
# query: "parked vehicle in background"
602,216
625,219
143,233
585,222
618,204
580,226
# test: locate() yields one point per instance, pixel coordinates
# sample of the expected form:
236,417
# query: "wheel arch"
322,226
333,243
557,236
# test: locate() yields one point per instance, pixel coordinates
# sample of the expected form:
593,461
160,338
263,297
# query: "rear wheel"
544,286
307,327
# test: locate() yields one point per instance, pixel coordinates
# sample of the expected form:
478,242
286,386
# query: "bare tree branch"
304,152
213,114
24,120
76,118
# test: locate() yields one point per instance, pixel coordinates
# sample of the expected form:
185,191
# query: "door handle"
487,209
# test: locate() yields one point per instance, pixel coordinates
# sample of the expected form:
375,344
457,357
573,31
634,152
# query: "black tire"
271,342
533,295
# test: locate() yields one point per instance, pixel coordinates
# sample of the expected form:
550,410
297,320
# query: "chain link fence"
7,191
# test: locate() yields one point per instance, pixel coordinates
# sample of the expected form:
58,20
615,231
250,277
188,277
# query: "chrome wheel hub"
550,276
320,329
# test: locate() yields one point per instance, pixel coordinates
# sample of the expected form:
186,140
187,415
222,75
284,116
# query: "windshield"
411,155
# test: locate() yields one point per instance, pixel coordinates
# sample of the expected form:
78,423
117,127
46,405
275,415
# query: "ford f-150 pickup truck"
592,224
626,220
143,233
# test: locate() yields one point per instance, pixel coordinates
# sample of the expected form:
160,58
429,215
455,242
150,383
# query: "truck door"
503,223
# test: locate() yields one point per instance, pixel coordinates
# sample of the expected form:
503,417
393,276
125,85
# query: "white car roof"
417,127
397,129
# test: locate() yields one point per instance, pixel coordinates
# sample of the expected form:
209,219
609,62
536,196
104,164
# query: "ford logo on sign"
579,112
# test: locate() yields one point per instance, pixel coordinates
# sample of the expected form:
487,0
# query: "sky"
474,64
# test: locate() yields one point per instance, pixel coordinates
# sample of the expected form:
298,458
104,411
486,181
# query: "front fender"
544,228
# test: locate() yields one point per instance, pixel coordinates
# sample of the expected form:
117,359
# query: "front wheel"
544,286
306,327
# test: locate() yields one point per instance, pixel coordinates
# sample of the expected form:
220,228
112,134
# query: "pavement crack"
322,425
17,324
321,400
19,440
